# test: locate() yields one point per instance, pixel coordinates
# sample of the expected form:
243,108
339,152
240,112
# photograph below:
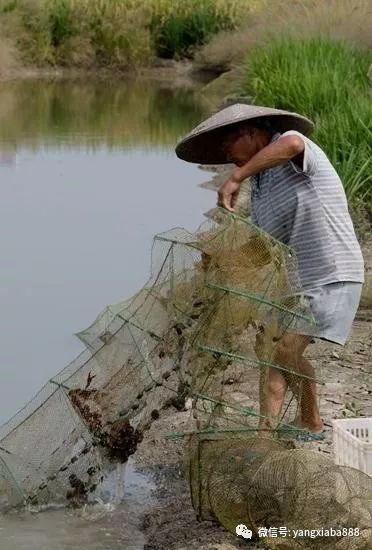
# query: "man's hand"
228,194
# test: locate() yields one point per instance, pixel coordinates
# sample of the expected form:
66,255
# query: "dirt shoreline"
175,72
172,523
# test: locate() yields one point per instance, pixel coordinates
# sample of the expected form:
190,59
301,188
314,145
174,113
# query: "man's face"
242,148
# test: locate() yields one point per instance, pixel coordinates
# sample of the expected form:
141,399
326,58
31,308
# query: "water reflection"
89,113
7,157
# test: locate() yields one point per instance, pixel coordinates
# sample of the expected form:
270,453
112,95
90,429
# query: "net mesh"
93,413
299,491
242,282
210,323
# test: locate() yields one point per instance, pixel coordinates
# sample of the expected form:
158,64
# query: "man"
298,198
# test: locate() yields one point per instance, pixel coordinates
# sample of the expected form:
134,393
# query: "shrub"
178,26
117,33
35,38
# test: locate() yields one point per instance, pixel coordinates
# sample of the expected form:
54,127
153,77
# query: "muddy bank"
181,73
172,523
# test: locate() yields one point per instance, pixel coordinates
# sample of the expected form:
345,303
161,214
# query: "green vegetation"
113,33
348,21
313,57
178,26
326,81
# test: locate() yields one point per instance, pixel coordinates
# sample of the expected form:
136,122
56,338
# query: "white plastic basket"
352,440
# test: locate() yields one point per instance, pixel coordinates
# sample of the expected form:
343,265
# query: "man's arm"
275,154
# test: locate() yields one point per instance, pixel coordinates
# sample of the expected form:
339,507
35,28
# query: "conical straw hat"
204,145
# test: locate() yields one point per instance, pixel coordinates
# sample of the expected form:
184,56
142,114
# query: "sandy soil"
172,524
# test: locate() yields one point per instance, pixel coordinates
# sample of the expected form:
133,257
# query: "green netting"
190,326
94,411
209,323
238,280
249,296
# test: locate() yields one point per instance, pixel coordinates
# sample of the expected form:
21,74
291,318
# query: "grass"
83,33
114,33
326,81
8,56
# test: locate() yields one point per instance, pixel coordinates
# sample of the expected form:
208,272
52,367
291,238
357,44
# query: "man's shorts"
333,307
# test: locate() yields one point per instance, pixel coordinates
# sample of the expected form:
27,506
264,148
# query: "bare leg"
273,387
274,384
306,394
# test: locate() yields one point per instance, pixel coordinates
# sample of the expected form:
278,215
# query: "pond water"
88,176
103,526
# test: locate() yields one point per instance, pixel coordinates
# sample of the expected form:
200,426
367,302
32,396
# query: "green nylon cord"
260,299
266,364
207,431
247,411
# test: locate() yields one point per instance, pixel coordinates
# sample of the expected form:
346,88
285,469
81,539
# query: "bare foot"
315,428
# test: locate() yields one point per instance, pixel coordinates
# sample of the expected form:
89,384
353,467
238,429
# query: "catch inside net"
91,416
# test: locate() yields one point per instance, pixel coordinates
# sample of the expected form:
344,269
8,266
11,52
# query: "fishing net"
246,294
93,413
191,327
209,324
41,447
204,455
291,498
250,296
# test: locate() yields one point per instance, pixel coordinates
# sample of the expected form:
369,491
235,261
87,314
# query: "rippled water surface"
105,526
